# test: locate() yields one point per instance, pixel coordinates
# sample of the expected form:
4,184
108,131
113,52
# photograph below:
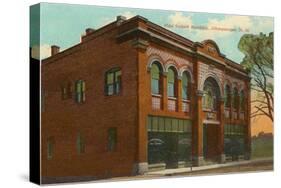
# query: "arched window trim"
242,100
171,82
227,95
186,86
235,98
210,95
156,81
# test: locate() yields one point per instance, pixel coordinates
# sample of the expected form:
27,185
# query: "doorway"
210,142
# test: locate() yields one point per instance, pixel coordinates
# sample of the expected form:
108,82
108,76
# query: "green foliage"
258,60
258,50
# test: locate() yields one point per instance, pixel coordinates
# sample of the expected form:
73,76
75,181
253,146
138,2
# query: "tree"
258,60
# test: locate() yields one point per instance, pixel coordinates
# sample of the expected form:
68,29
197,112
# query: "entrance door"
210,141
172,150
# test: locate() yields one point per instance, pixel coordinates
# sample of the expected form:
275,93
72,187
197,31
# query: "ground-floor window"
112,139
80,143
169,141
234,141
50,147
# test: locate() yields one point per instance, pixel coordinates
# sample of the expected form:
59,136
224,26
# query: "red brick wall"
63,119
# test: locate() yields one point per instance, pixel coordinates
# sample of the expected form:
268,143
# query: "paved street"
235,167
262,166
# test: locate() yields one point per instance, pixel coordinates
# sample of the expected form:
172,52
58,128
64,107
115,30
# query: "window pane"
181,125
113,82
110,78
189,126
168,124
110,89
185,82
171,76
235,98
64,92
80,144
161,124
171,83
78,86
154,123
171,91
117,75
184,92
155,72
155,86
184,79
227,96
80,91
112,139
117,87
185,125
242,101
149,123
174,125
83,86
49,148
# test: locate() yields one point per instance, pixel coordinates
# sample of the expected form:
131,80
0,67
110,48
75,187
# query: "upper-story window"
171,82
80,88
113,81
242,101
211,94
235,99
155,78
185,86
66,91
227,96
209,99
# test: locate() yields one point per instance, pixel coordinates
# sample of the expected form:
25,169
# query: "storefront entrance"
169,142
210,142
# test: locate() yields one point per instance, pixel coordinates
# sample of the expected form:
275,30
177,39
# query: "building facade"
133,97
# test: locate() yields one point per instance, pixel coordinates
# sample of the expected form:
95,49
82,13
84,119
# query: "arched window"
155,78
209,99
210,95
235,99
171,82
185,85
242,101
227,96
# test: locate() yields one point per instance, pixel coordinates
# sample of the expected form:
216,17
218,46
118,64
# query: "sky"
63,25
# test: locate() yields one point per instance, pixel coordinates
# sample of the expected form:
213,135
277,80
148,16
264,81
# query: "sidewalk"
168,172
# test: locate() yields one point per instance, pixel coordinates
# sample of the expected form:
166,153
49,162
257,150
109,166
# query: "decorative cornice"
140,43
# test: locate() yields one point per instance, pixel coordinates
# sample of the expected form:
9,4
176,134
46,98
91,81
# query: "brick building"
133,97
